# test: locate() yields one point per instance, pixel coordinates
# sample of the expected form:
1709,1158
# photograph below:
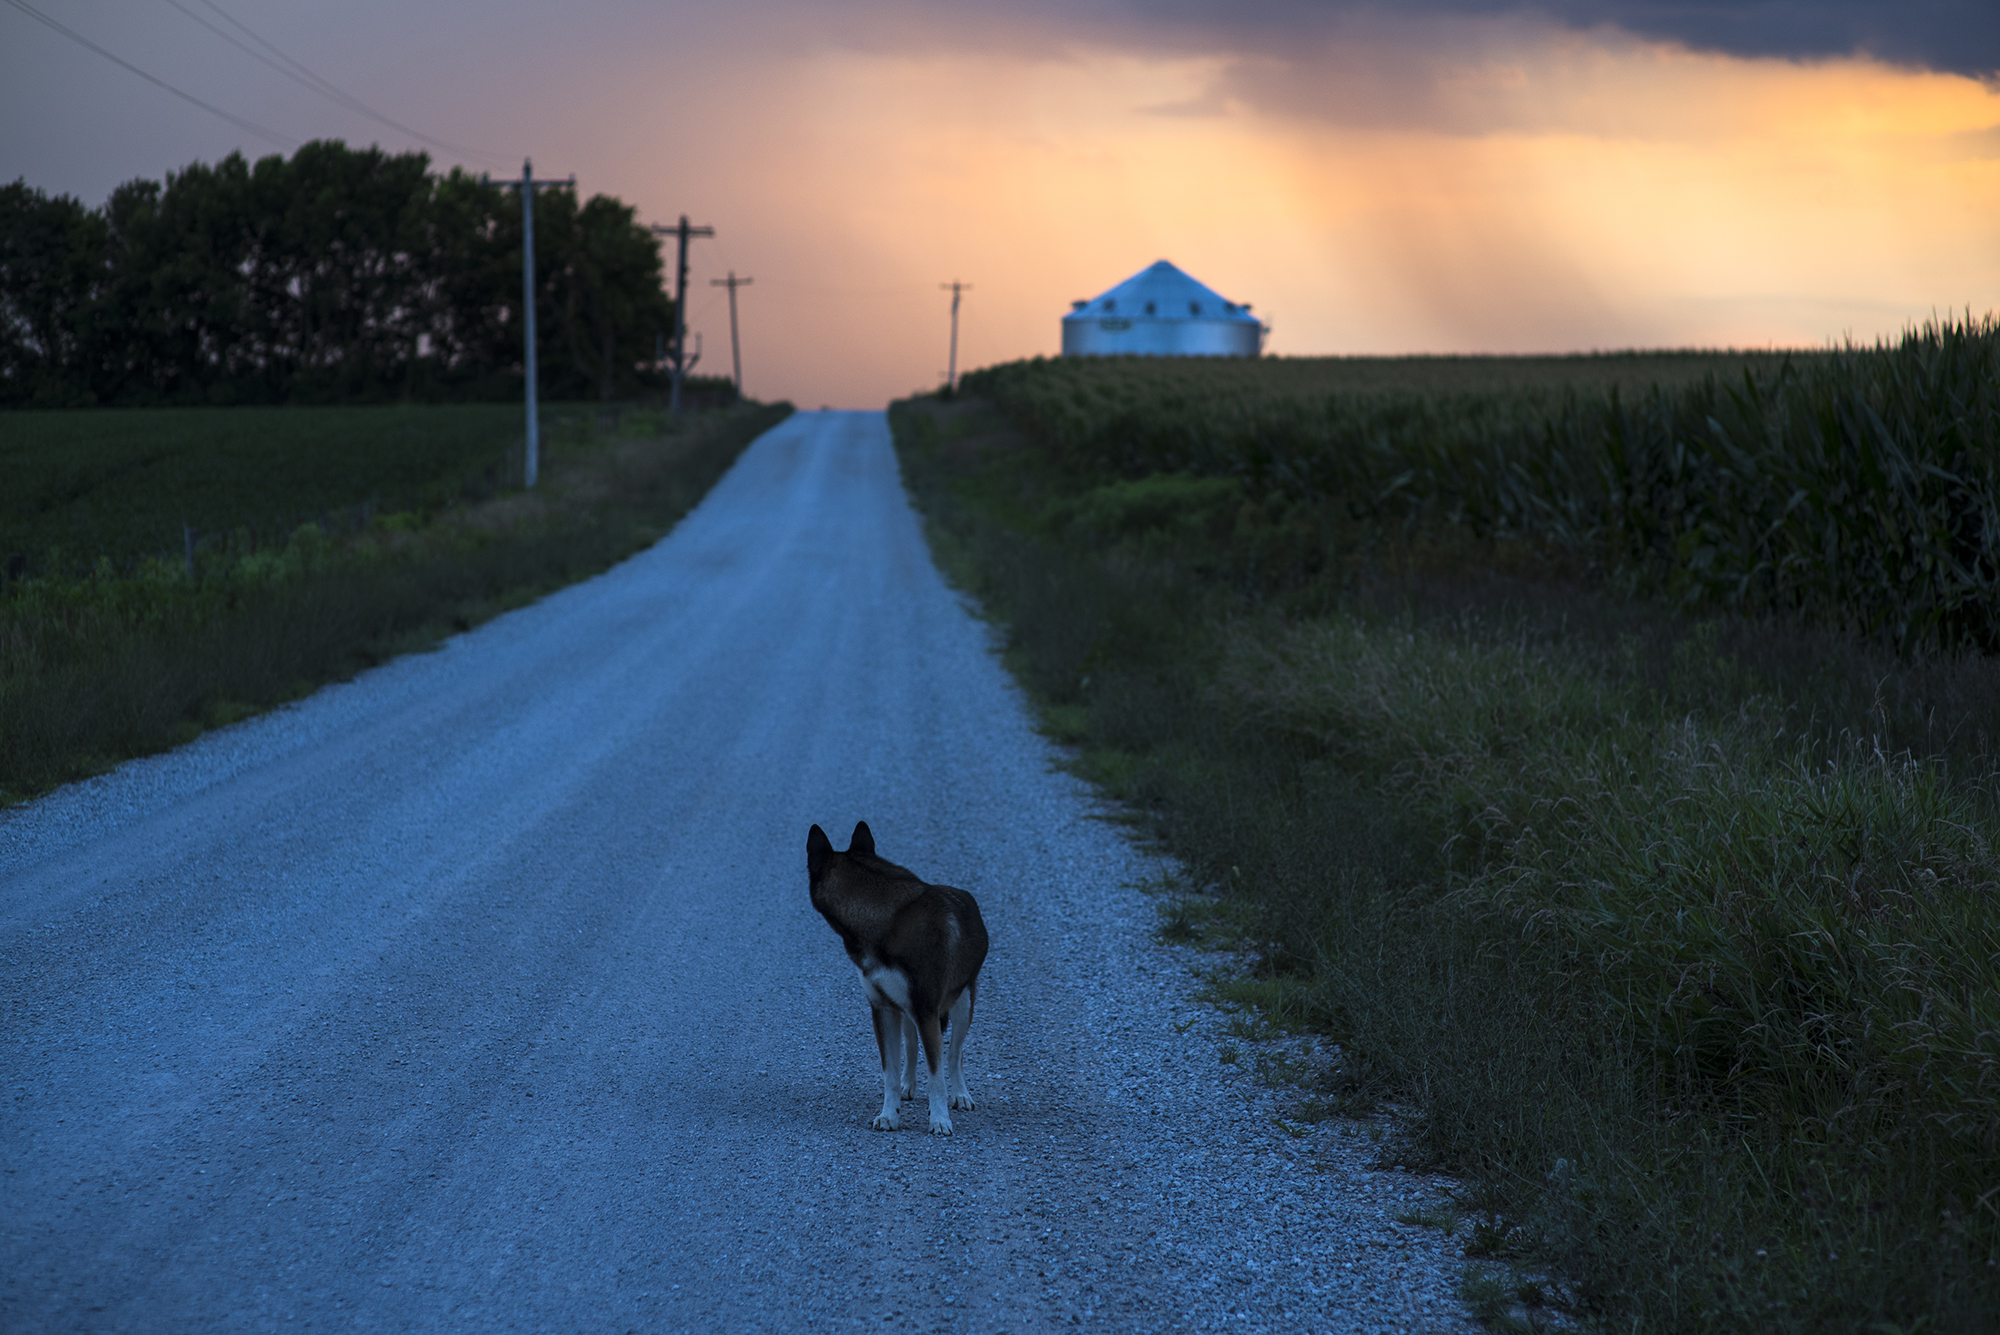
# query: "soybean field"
125,483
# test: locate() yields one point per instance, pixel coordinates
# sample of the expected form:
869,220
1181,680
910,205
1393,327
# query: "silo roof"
1161,291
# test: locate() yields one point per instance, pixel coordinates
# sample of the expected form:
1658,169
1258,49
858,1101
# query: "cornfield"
1859,487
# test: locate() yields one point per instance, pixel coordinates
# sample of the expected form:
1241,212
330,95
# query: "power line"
306,78
268,136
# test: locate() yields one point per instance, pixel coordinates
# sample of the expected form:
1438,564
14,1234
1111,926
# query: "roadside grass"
101,667
1677,937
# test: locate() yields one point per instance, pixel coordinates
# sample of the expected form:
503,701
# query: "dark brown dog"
919,948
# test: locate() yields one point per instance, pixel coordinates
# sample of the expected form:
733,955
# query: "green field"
124,483
1669,918
1207,389
338,538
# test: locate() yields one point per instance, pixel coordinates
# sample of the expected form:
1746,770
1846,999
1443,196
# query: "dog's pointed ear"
819,851
863,841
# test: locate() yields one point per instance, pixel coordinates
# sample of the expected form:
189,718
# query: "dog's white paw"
963,1100
891,1122
940,1124
908,1093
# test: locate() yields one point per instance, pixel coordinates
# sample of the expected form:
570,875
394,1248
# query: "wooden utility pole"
527,185
951,375
735,349
679,357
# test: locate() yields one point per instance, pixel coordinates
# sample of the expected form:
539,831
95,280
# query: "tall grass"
1727,952
115,663
1677,936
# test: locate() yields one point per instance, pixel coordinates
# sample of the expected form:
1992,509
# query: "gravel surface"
483,993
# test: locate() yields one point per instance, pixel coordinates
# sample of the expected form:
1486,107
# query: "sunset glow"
1448,186
1794,206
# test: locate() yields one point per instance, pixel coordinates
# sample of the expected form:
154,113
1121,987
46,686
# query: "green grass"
1677,935
102,666
124,483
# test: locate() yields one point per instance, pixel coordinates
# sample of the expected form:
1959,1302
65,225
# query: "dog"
919,948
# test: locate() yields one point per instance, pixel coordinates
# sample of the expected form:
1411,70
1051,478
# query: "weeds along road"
483,992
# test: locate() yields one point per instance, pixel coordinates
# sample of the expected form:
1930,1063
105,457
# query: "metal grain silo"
1161,312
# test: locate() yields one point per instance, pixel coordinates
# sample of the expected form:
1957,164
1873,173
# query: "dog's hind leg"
961,1020
934,1059
908,1030
889,1024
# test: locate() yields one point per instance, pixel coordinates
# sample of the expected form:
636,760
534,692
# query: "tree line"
339,275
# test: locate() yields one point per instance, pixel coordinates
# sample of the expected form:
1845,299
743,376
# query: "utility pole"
951,376
680,363
527,184
735,349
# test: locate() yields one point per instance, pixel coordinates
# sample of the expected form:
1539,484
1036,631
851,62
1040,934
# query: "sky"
1442,176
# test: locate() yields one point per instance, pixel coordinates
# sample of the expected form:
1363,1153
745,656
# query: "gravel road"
483,993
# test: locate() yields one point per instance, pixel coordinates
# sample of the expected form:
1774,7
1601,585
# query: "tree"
336,275
604,290
51,261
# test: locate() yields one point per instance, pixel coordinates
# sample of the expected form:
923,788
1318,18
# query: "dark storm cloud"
1369,64
1956,36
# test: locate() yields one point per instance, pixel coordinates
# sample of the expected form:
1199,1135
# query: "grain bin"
1161,312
